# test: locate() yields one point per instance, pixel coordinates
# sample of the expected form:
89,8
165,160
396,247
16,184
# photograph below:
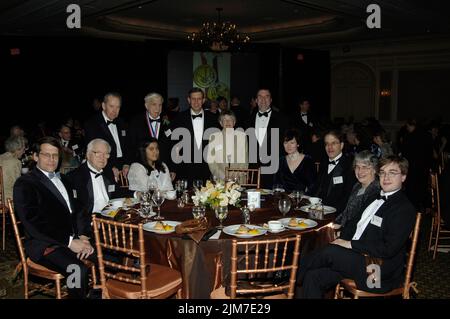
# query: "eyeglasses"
389,174
101,154
50,156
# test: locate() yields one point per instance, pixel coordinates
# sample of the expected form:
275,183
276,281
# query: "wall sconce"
385,93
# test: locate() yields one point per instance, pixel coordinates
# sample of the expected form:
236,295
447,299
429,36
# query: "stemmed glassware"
158,199
284,205
146,206
197,184
297,195
221,213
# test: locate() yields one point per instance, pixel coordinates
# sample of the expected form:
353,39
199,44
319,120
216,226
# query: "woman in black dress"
296,170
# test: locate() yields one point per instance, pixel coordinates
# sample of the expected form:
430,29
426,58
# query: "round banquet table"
204,264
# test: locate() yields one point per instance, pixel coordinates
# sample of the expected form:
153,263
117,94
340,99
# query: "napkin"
216,235
193,228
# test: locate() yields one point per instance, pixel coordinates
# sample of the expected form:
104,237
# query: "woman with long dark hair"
149,168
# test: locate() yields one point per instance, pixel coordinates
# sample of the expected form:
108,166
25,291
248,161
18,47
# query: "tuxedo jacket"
336,187
388,240
44,213
139,131
81,182
192,170
278,121
304,128
96,127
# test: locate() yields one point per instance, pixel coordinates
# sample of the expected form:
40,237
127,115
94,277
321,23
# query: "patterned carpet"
432,277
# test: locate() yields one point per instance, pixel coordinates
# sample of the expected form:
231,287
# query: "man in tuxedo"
150,124
336,176
196,121
264,149
375,256
71,150
108,126
93,186
53,222
304,121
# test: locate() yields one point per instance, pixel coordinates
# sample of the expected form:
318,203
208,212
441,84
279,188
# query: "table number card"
254,198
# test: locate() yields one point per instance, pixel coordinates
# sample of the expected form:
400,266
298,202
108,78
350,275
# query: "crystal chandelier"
219,36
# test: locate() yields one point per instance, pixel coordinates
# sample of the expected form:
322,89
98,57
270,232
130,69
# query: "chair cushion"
162,282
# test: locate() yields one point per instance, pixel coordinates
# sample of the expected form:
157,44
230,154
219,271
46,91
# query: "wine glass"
221,213
179,188
158,199
152,186
296,195
184,184
284,205
198,183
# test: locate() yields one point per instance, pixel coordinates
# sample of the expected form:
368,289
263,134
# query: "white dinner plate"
310,223
231,230
263,191
326,209
151,226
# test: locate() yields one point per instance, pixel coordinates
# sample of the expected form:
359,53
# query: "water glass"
198,183
221,213
297,195
198,212
284,205
158,199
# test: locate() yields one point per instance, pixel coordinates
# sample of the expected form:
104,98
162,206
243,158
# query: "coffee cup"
315,200
275,225
171,195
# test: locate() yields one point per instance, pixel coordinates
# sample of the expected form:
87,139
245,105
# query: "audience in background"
10,163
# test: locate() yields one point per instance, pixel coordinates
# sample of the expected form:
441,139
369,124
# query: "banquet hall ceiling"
291,22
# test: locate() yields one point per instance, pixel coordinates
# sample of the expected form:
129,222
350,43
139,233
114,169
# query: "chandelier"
219,36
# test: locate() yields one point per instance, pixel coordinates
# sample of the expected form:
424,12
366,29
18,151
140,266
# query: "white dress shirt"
115,134
368,214
198,125
261,124
101,197
332,166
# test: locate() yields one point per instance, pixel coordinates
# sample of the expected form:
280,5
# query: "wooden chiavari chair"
123,181
349,285
135,280
254,259
252,176
437,233
3,208
29,267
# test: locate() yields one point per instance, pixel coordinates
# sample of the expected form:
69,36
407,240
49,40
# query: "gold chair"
436,232
252,176
3,209
29,267
349,285
123,181
138,280
257,258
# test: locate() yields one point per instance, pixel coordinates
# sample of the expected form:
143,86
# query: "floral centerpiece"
218,194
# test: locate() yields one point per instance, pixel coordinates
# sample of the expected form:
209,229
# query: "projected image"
211,72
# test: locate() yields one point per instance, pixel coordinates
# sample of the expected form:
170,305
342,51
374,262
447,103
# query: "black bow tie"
333,162
304,114
110,122
385,198
198,115
266,114
157,120
96,174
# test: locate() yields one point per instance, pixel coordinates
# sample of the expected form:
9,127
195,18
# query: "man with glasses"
379,242
53,222
93,185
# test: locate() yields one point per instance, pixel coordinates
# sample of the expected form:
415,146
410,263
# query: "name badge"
111,188
75,147
74,193
124,133
168,132
376,220
254,198
338,180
